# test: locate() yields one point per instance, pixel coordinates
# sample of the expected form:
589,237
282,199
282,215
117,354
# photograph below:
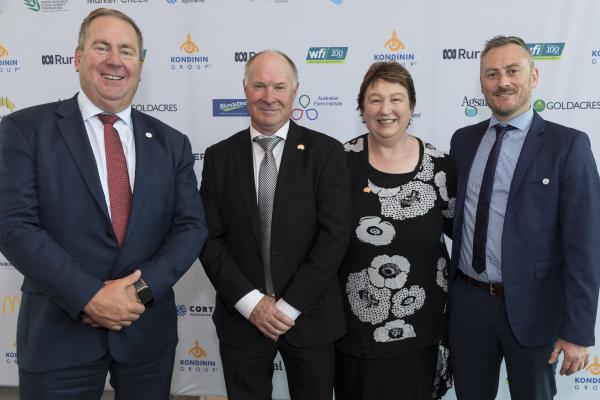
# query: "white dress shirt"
95,132
246,304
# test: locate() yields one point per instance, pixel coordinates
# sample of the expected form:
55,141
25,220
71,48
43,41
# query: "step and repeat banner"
192,80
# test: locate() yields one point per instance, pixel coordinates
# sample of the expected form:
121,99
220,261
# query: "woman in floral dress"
395,270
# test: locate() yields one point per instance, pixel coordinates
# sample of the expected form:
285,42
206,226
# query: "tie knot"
267,142
502,129
108,119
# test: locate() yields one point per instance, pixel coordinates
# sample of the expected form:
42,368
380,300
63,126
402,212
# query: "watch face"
145,295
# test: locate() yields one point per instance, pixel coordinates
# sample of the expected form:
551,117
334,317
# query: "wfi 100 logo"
326,55
546,51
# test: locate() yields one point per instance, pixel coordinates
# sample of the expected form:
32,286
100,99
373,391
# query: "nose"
113,57
386,107
503,80
269,95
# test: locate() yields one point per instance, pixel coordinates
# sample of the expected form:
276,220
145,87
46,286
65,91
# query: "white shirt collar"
89,110
281,132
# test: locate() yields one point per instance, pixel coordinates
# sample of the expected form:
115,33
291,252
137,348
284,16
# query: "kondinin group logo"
589,379
189,59
6,107
10,304
197,360
540,105
52,5
471,105
396,51
10,353
7,63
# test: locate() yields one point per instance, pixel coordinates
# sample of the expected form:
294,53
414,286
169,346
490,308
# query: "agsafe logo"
396,52
460,54
190,60
471,105
56,59
10,304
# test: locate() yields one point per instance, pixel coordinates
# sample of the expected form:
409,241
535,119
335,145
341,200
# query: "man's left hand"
575,358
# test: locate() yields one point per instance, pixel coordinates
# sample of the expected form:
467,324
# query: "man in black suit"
275,271
100,212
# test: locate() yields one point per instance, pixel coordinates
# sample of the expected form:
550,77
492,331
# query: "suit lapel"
73,131
290,160
244,169
143,167
533,141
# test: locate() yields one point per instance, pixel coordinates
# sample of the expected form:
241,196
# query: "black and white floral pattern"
441,277
407,301
394,330
369,303
411,200
356,145
390,272
374,231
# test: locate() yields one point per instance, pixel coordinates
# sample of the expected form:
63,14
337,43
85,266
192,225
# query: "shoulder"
469,130
440,159
226,145
356,145
34,115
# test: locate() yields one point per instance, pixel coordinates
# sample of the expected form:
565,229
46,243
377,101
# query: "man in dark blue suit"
525,265
101,214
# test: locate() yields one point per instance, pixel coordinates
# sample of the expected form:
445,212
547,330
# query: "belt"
495,289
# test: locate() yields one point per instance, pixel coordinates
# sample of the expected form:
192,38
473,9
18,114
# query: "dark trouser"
408,376
150,380
480,336
249,372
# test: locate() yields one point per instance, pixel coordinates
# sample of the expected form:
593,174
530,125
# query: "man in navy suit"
100,213
296,306
525,265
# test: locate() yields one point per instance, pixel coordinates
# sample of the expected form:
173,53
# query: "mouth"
387,121
112,77
504,93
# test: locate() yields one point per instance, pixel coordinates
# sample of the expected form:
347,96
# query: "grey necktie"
267,181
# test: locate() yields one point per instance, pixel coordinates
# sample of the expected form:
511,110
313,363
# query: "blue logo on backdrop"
230,108
326,55
181,310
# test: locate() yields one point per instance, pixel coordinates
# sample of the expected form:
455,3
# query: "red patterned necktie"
119,190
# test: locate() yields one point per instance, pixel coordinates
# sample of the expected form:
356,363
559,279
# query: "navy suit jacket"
55,229
310,231
550,249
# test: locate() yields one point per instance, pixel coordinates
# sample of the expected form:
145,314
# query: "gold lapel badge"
301,147
367,189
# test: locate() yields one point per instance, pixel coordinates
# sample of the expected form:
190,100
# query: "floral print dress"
394,274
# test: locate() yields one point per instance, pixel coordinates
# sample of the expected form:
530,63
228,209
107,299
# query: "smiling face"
507,80
270,89
386,109
109,63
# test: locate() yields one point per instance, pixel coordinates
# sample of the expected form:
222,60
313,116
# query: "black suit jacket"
55,229
310,231
550,251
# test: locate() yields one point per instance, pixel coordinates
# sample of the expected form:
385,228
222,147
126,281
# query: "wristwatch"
144,293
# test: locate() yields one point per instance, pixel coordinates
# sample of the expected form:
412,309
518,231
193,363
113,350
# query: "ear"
534,78
77,60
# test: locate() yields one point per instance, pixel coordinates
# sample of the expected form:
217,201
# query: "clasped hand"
115,306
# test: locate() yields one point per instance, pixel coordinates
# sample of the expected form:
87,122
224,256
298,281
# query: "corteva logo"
326,55
546,51
10,304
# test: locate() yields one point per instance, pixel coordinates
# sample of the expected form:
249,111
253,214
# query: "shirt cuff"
287,309
246,304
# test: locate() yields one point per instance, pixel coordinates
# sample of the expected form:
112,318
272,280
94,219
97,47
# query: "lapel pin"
148,135
545,181
300,147
367,189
